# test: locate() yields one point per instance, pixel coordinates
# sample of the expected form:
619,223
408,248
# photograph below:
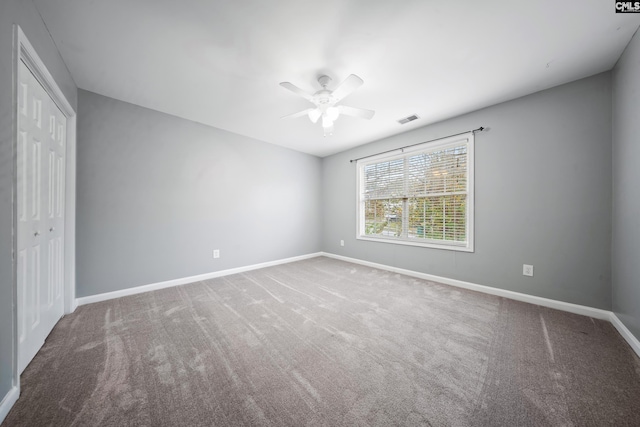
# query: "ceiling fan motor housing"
323,97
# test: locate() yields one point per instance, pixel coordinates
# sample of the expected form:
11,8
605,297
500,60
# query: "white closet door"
41,163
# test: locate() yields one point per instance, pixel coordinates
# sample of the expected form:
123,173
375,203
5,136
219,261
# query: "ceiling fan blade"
295,89
356,112
350,84
298,114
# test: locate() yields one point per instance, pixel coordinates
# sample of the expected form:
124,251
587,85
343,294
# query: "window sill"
459,248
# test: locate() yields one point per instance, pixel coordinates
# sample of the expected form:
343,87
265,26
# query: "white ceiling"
219,62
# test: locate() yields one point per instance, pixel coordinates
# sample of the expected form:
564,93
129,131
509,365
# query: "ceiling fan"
325,102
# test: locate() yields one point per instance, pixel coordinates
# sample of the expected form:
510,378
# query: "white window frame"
430,146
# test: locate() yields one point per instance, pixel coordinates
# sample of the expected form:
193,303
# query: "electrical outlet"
341,242
216,253
527,270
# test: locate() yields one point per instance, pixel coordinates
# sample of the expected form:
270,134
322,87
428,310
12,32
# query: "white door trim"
24,51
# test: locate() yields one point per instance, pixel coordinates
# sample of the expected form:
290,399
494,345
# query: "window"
422,196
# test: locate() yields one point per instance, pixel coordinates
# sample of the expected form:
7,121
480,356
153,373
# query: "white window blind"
422,196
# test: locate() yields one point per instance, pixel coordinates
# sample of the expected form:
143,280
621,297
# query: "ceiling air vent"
408,119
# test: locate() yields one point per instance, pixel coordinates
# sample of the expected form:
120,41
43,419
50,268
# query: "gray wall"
23,13
157,194
543,197
626,180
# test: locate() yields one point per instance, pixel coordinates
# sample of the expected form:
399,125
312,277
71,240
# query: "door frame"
24,51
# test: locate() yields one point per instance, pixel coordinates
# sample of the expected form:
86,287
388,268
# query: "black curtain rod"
480,129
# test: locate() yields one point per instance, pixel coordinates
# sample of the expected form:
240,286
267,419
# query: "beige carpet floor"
325,342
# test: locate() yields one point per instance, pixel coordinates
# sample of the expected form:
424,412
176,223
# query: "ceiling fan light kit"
325,102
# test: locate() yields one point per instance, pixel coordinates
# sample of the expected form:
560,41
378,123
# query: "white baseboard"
626,333
545,302
185,280
517,296
8,401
